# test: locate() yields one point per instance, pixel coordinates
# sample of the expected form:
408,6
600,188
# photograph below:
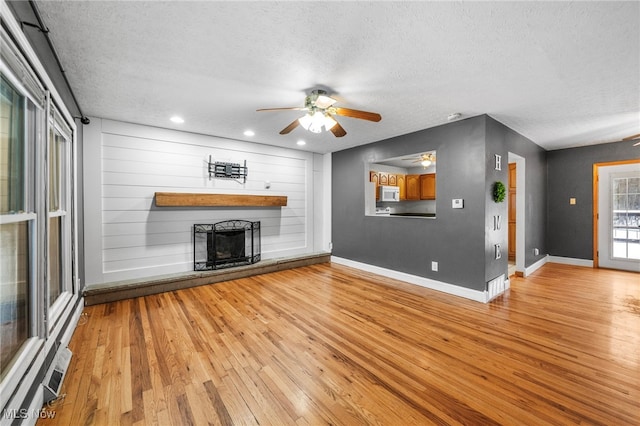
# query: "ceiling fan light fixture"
317,121
320,113
425,163
305,121
323,101
329,122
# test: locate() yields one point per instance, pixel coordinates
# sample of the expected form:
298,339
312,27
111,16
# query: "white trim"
606,175
521,219
539,264
26,380
8,73
56,309
570,261
455,290
6,219
92,178
13,382
33,413
322,202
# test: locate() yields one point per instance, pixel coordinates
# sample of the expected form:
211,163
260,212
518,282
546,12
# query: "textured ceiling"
560,73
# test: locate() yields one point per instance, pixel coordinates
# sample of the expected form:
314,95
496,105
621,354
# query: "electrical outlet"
434,266
498,252
536,252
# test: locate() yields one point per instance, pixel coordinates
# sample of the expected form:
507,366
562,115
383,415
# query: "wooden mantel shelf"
182,199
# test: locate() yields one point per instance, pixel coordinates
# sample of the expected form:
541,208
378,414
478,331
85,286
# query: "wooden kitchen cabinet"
428,186
391,179
401,183
413,187
373,177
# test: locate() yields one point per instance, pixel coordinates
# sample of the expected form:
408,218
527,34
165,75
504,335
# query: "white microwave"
389,193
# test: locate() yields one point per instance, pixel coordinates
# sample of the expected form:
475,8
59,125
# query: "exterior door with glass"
619,217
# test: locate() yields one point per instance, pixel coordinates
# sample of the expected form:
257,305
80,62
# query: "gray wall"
570,174
454,239
535,191
460,240
495,144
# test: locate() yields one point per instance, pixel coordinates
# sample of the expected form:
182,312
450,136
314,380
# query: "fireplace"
225,244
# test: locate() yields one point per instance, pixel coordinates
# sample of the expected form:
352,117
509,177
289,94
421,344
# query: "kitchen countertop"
414,214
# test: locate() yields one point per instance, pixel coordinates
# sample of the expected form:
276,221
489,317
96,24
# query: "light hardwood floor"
326,344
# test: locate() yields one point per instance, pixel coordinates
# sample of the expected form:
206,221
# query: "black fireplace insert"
225,244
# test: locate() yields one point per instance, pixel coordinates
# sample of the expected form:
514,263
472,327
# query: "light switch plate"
434,266
457,203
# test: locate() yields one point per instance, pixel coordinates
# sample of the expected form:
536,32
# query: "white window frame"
30,350
55,310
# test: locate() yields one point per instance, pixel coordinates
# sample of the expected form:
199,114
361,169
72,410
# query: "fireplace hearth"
225,244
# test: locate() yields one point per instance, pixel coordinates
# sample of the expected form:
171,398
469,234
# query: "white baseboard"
475,295
571,261
539,264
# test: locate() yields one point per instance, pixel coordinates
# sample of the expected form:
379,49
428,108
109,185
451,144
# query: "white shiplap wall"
128,237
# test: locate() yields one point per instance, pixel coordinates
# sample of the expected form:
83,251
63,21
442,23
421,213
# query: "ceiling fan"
425,159
633,138
321,113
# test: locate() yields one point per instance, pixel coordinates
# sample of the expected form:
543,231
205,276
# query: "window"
16,222
59,234
626,217
36,221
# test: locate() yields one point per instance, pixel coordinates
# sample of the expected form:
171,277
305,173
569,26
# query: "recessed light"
301,142
249,133
176,119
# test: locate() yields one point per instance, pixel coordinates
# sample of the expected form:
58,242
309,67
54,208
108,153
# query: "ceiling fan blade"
290,127
338,131
630,138
355,113
283,109
636,144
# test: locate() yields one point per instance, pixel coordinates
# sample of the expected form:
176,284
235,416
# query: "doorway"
617,215
511,218
516,215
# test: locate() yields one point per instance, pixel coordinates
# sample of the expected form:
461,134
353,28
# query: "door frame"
594,217
521,223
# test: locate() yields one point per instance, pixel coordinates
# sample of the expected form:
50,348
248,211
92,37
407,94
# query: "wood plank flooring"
327,344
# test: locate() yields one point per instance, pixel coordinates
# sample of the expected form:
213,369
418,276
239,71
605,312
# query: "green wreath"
499,192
